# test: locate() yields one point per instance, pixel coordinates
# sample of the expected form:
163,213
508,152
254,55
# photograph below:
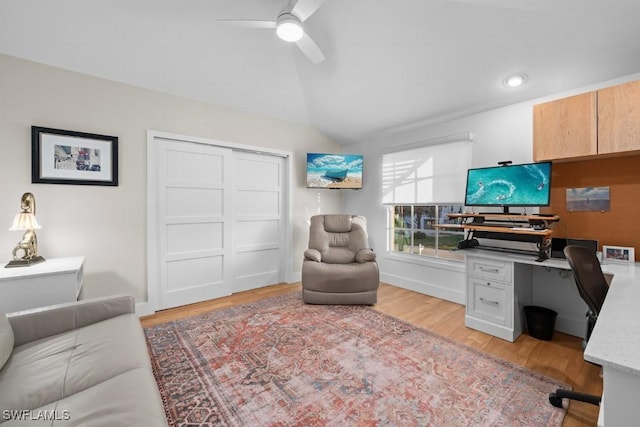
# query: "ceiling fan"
288,26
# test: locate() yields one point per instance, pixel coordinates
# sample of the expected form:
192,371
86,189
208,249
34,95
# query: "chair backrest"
592,285
338,237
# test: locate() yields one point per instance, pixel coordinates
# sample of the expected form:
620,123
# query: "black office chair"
593,288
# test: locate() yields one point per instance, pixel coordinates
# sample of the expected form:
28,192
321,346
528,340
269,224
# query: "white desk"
500,284
614,343
53,281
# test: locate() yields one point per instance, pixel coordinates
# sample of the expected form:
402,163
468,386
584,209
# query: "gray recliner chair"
339,267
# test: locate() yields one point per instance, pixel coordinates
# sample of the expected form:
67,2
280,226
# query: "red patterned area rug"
279,362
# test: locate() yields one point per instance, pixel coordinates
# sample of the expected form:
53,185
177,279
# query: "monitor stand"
505,211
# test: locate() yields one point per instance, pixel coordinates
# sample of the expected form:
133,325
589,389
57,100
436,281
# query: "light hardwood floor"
560,358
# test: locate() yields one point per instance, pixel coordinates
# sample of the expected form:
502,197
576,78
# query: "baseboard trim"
571,325
295,277
425,288
144,309
508,334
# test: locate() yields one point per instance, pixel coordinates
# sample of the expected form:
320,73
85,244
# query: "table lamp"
26,220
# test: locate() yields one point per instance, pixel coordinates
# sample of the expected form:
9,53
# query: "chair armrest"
365,255
313,255
37,323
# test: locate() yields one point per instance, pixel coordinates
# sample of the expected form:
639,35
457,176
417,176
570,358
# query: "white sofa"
79,364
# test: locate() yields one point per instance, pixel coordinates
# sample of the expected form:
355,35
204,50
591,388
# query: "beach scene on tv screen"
334,170
509,185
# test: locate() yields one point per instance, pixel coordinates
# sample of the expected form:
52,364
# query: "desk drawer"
491,301
490,269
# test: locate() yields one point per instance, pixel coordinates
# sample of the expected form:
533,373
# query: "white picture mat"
618,253
47,156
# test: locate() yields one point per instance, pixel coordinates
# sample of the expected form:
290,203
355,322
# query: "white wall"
107,225
501,134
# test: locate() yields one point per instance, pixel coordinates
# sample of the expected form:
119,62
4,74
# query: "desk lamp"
26,220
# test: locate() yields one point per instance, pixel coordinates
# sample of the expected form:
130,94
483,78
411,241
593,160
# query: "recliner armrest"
37,323
365,255
313,255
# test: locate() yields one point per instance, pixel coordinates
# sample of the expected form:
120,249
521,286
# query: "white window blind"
431,174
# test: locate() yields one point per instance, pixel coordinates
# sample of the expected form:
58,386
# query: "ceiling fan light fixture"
289,28
515,80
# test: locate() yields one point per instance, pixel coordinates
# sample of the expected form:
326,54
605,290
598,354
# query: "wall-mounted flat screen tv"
511,185
326,170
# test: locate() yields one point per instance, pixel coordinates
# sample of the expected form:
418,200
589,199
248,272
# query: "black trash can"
541,321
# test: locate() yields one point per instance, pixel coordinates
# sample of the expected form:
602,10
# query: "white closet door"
258,214
194,222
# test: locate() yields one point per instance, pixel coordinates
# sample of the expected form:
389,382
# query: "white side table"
54,281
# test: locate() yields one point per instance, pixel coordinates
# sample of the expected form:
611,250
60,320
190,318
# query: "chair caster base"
555,400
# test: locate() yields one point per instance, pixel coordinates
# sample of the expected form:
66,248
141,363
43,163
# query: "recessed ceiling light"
289,28
515,80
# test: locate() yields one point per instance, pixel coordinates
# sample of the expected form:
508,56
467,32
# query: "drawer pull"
488,301
489,270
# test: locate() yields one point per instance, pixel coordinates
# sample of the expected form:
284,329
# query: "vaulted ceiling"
389,63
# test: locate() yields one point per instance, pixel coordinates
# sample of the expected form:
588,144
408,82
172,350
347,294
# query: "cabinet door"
490,300
619,118
565,128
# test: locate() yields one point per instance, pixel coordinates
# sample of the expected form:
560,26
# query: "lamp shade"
25,221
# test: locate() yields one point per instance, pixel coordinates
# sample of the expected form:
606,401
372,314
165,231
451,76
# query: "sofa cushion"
124,400
50,369
6,339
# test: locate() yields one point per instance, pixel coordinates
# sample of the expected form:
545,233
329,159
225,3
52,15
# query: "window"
411,231
422,183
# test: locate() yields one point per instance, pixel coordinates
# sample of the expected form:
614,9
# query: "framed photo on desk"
618,254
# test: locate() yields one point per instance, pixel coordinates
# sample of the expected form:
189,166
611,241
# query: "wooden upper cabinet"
565,128
603,123
619,118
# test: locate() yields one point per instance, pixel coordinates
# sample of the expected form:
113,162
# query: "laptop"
559,243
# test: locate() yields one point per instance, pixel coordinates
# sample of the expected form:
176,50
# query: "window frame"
394,228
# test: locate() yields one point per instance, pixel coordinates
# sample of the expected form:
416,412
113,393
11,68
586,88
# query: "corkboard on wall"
620,226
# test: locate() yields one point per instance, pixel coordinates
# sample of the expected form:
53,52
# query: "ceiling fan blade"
305,8
249,23
311,49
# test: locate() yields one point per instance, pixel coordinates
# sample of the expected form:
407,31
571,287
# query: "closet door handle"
488,301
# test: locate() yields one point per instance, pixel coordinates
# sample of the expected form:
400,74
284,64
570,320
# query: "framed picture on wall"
618,254
67,157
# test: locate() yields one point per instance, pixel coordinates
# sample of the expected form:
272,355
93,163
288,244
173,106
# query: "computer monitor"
559,243
504,186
